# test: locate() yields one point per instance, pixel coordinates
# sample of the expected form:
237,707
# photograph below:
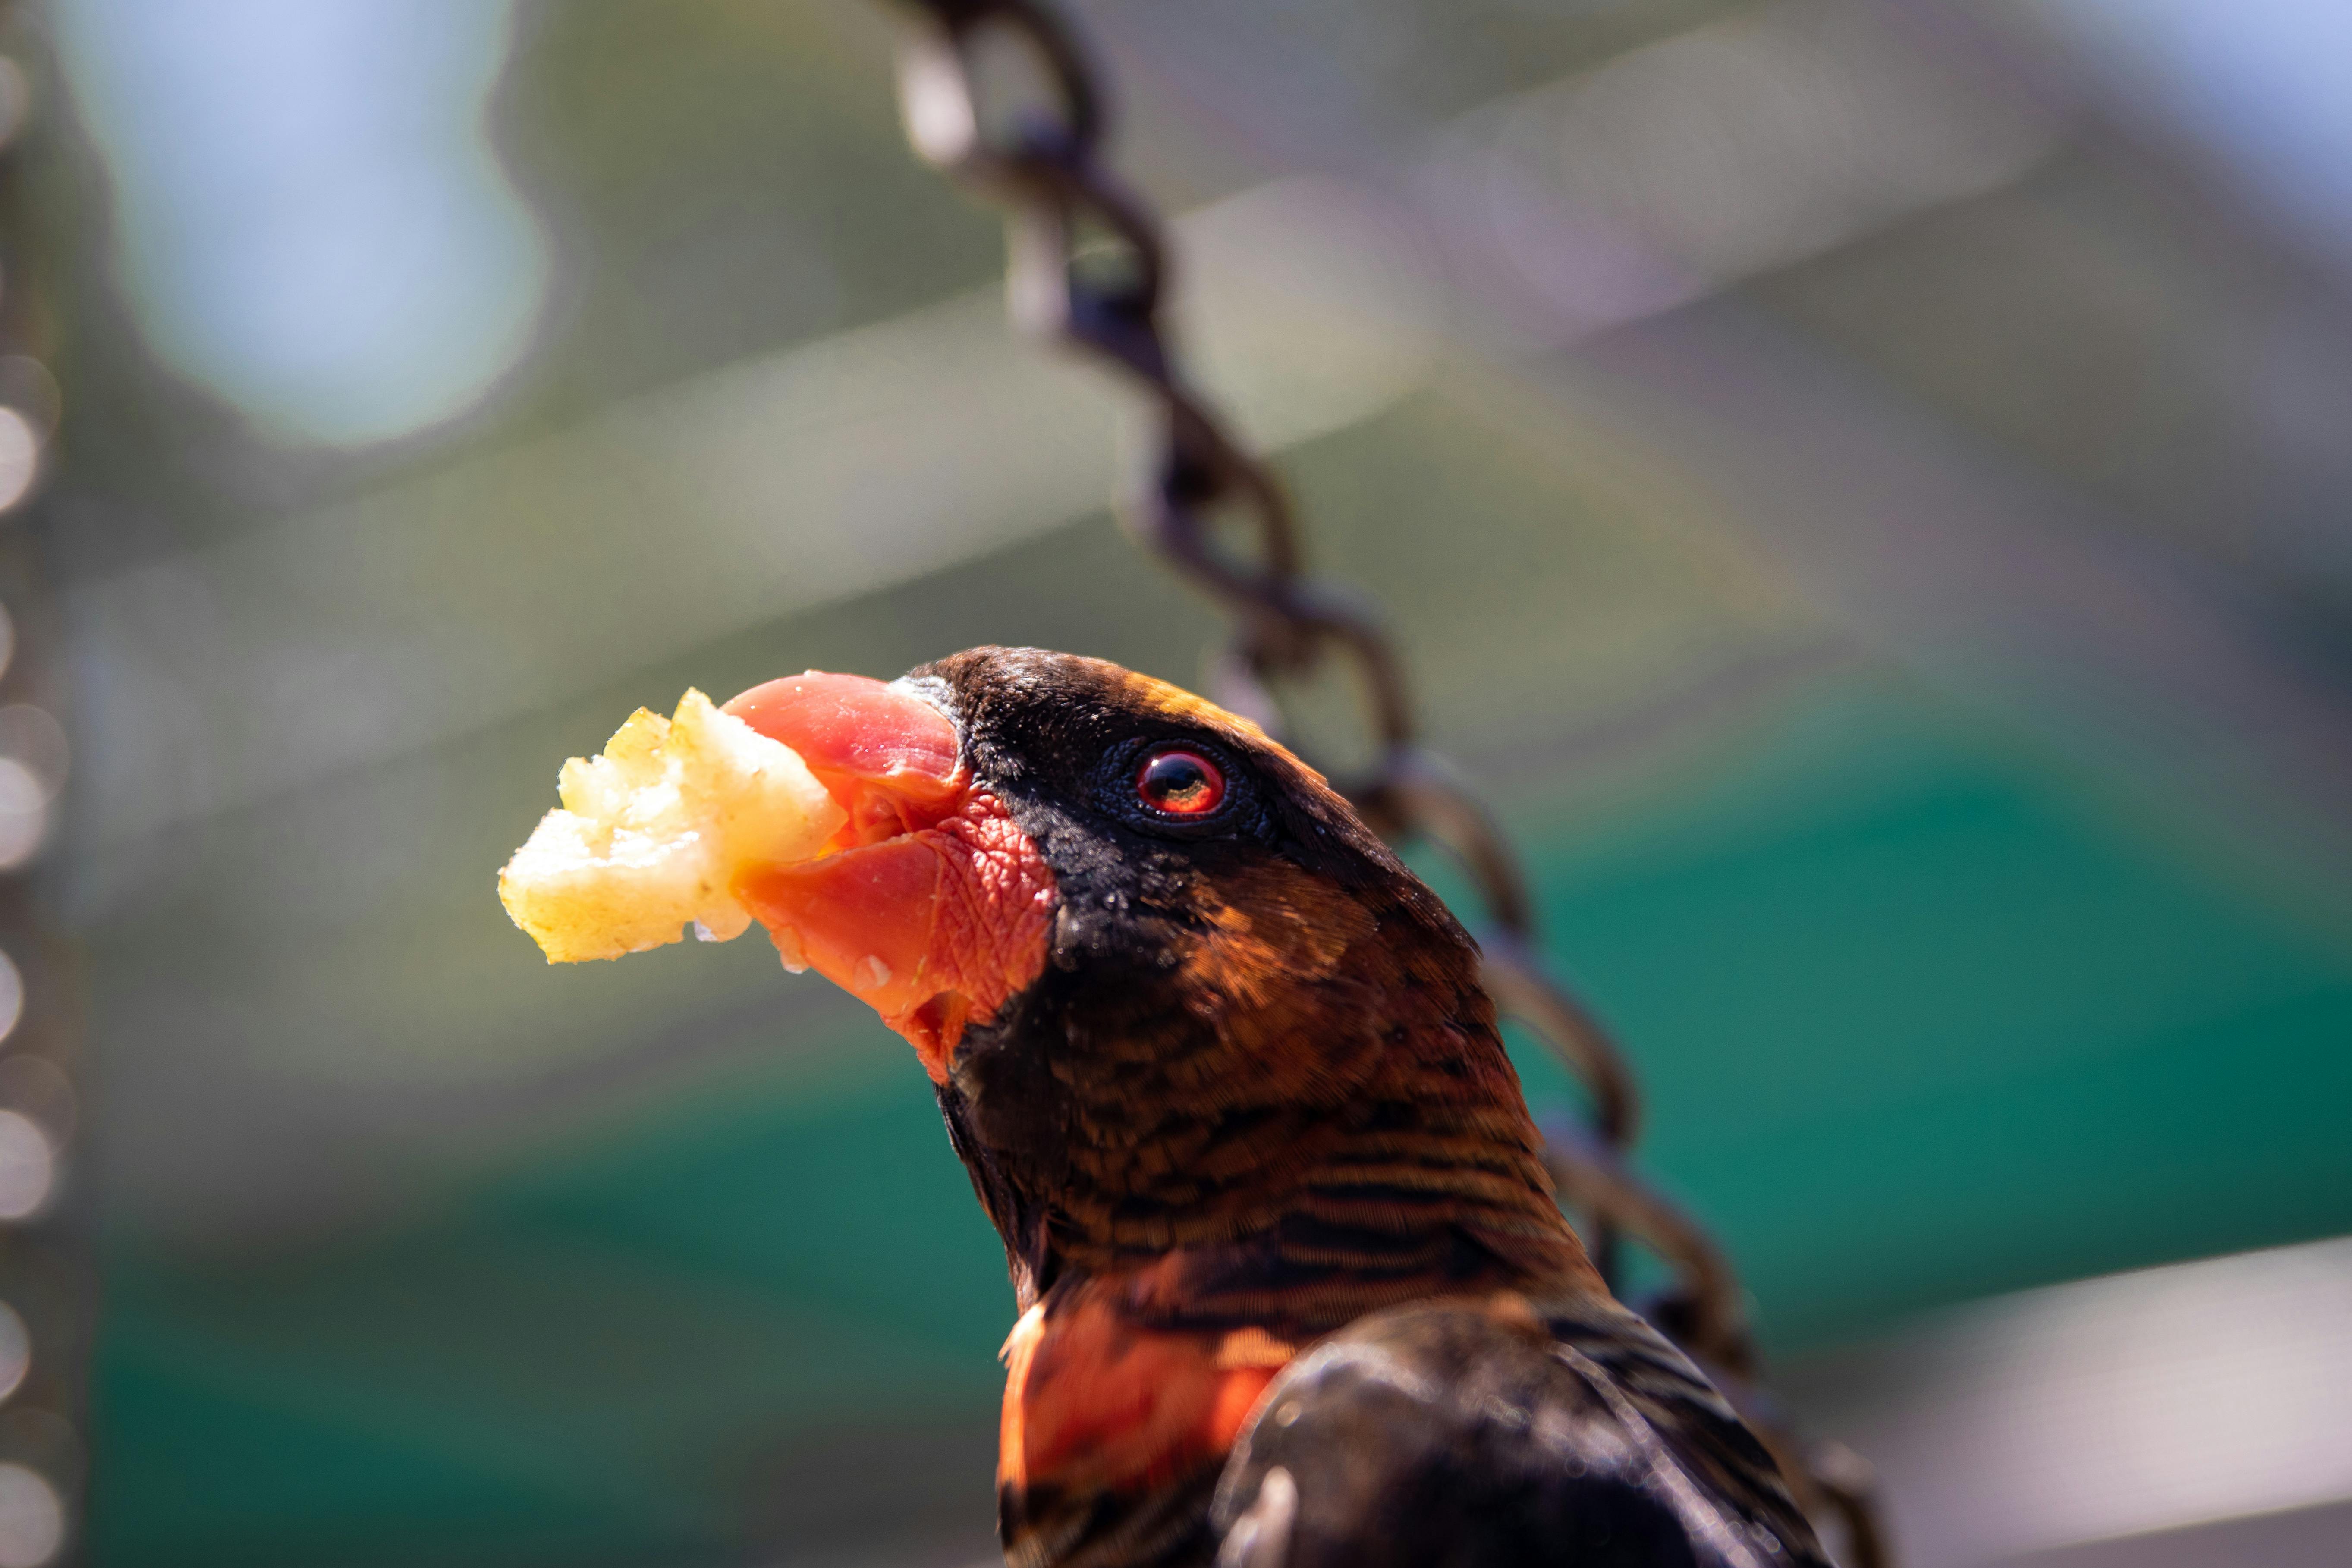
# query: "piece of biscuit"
652,835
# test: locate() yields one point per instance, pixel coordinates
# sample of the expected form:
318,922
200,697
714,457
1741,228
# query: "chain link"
1088,266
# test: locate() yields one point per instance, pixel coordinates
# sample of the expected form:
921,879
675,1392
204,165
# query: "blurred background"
1865,484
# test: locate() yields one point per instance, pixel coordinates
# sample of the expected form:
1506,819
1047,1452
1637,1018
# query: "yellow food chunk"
651,835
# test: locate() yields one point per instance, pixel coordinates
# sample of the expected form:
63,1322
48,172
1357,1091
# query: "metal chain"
1088,266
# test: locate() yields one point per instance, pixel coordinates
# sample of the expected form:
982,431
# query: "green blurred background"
1863,485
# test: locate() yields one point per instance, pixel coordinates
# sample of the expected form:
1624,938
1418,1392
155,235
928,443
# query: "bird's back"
1487,1434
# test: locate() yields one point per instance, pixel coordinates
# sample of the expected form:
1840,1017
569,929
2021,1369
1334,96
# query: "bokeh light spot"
20,457
32,1519
16,1351
27,1170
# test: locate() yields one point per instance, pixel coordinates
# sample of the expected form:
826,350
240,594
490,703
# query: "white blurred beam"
336,641
1681,167
2108,1409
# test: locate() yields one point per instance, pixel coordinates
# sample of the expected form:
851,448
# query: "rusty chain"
1088,266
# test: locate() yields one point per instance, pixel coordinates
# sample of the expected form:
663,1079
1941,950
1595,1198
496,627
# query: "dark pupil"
1177,781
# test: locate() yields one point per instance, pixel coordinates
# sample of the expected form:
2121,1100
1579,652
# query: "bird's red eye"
1179,783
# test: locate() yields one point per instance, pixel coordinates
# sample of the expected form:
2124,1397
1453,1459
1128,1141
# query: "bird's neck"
1299,1121
1419,1206
1293,1217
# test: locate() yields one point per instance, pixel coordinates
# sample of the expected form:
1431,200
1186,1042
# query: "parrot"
1293,1287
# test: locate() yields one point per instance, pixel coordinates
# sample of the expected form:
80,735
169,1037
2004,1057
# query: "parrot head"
1172,992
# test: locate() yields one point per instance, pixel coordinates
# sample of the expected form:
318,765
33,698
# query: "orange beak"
931,905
